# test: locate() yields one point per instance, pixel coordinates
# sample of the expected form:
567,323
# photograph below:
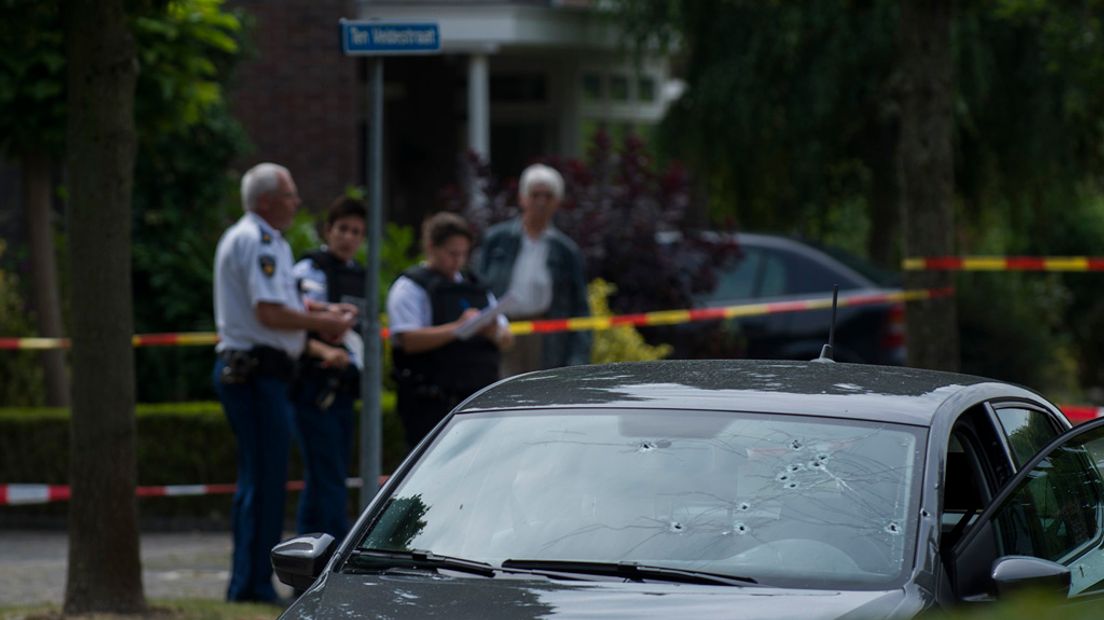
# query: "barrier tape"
25,494
549,326
1004,263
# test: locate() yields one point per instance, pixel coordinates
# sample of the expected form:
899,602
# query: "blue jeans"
326,439
259,413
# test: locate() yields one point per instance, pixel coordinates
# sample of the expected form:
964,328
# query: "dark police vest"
461,366
343,280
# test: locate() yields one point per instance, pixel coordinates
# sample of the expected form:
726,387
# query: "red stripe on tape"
706,314
629,319
158,340
788,306
549,325
944,262
1080,413
1026,263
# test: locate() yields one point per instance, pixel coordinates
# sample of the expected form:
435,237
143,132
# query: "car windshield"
793,501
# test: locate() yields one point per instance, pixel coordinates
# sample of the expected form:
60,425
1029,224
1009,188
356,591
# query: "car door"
1052,509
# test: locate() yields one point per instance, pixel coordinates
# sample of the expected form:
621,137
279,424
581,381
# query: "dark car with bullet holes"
723,488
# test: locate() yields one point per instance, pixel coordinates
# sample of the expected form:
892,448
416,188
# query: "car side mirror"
298,561
1015,573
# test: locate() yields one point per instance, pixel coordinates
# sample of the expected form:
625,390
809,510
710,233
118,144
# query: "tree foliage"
787,106
32,77
792,112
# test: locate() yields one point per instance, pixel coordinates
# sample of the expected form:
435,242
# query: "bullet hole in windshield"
784,476
743,507
676,527
791,484
648,445
740,529
893,528
795,444
796,467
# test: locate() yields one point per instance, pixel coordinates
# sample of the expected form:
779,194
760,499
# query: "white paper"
355,344
479,322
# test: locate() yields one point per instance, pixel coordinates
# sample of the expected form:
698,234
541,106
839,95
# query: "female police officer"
435,369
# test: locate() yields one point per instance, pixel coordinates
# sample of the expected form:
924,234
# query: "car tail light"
893,338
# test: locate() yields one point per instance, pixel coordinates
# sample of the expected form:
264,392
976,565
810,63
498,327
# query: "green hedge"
177,443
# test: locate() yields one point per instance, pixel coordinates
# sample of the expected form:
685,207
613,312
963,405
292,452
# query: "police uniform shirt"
408,306
253,264
312,285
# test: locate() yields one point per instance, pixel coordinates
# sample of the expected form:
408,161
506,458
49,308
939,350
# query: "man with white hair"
542,270
262,326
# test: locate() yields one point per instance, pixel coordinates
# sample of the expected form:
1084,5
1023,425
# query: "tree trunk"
104,567
926,176
47,302
884,196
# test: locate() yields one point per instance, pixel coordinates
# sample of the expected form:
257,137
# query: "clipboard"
479,322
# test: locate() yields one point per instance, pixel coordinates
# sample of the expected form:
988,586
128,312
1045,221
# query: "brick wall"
299,98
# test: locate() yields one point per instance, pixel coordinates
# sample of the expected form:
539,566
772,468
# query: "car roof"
886,393
866,277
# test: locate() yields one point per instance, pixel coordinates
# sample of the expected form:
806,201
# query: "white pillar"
479,106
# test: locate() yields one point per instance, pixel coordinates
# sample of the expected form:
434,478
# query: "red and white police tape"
22,494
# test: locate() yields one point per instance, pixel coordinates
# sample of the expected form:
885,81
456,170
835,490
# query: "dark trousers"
326,439
259,413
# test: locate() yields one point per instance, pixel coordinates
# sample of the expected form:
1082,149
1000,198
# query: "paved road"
174,565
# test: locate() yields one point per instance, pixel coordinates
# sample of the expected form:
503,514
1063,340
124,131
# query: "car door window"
737,281
775,278
806,275
1027,431
1053,511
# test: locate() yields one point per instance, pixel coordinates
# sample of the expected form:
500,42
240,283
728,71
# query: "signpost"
377,39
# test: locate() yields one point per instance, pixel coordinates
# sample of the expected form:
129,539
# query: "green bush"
177,443
619,344
21,370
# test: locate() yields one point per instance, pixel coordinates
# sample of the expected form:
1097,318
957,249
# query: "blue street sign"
367,38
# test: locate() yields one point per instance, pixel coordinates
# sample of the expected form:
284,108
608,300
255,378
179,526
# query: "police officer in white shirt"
434,365
262,325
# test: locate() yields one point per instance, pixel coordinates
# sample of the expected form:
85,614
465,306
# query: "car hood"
345,597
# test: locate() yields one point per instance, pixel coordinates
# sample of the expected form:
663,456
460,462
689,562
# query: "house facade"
513,81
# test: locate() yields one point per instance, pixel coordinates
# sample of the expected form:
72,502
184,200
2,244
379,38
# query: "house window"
619,88
646,89
592,88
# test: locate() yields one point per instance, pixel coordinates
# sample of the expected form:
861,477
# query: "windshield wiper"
417,559
628,570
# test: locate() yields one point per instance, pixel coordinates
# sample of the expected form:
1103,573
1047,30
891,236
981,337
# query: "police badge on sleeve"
268,265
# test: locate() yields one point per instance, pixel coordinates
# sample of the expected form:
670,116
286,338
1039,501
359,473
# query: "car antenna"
826,352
